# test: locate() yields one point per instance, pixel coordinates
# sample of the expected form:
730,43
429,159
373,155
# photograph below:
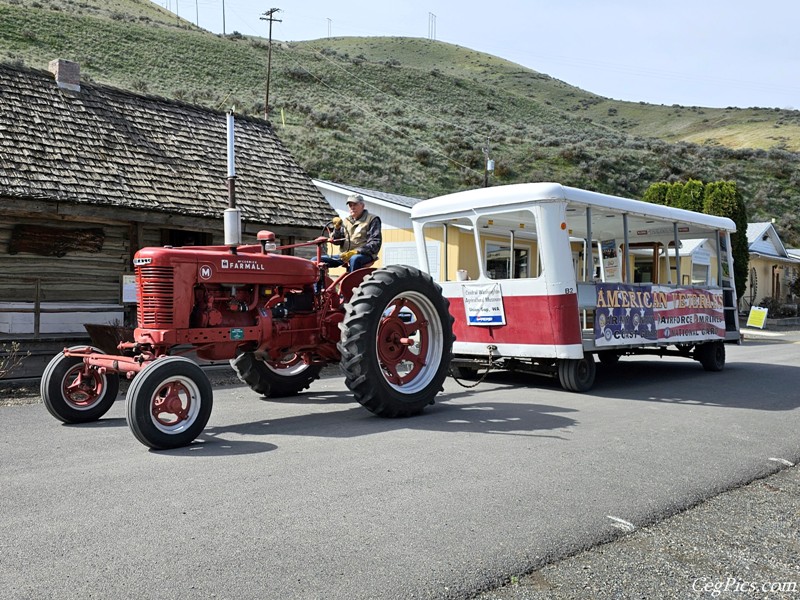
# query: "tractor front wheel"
397,341
74,393
275,380
169,403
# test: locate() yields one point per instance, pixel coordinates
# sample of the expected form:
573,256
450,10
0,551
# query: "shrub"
298,74
777,310
794,287
10,358
422,156
332,120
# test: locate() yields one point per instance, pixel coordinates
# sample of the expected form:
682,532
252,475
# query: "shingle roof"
406,201
106,146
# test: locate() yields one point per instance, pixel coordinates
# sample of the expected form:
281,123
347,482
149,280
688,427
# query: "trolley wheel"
577,375
711,355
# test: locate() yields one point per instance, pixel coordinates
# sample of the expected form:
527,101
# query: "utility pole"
488,164
329,28
431,26
223,18
268,16
197,13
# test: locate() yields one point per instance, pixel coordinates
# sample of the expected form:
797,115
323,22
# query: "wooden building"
90,173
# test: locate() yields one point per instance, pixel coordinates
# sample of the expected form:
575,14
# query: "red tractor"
278,319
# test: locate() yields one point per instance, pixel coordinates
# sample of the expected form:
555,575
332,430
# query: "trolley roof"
508,198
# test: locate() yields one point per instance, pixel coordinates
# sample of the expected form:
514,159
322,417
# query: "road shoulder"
742,543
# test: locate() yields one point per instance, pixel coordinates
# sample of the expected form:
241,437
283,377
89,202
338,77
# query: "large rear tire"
275,380
169,403
73,393
397,341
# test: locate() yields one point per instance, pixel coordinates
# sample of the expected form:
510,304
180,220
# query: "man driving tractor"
358,236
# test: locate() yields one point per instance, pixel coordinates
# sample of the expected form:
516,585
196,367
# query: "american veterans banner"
635,314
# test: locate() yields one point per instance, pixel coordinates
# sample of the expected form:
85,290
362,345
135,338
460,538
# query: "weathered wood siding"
78,276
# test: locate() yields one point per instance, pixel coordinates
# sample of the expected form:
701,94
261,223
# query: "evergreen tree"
692,196
674,193
657,193
720,198
723,198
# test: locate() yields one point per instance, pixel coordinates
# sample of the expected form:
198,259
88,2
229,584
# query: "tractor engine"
219,302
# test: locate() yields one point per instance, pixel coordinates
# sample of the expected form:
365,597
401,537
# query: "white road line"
622,523
783,461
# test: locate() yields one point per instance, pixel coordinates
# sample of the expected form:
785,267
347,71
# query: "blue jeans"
356,261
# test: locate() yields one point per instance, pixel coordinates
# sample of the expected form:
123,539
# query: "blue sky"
712,53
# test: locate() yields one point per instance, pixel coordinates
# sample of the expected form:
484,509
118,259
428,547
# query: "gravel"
740,544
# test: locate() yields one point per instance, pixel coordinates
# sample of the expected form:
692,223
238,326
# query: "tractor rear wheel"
275,380
74,393
397,341
169,403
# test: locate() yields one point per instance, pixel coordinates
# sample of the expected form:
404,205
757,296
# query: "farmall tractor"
278,319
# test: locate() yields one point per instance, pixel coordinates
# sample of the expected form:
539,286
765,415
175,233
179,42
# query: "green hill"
414,116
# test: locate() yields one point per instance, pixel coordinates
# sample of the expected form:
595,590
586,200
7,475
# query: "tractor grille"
156,297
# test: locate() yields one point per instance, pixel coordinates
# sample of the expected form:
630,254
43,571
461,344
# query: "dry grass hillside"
415,116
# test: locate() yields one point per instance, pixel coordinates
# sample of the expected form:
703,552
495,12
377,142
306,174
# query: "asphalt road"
315,498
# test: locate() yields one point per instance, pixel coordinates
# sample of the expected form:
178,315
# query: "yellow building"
773,268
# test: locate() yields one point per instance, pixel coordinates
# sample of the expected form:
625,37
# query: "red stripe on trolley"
529,320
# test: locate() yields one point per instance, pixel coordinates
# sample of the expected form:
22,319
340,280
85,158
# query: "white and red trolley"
542,277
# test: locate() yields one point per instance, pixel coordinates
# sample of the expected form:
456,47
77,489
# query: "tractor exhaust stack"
233,216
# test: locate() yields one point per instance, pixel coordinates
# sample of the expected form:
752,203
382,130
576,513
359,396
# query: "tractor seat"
364,266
